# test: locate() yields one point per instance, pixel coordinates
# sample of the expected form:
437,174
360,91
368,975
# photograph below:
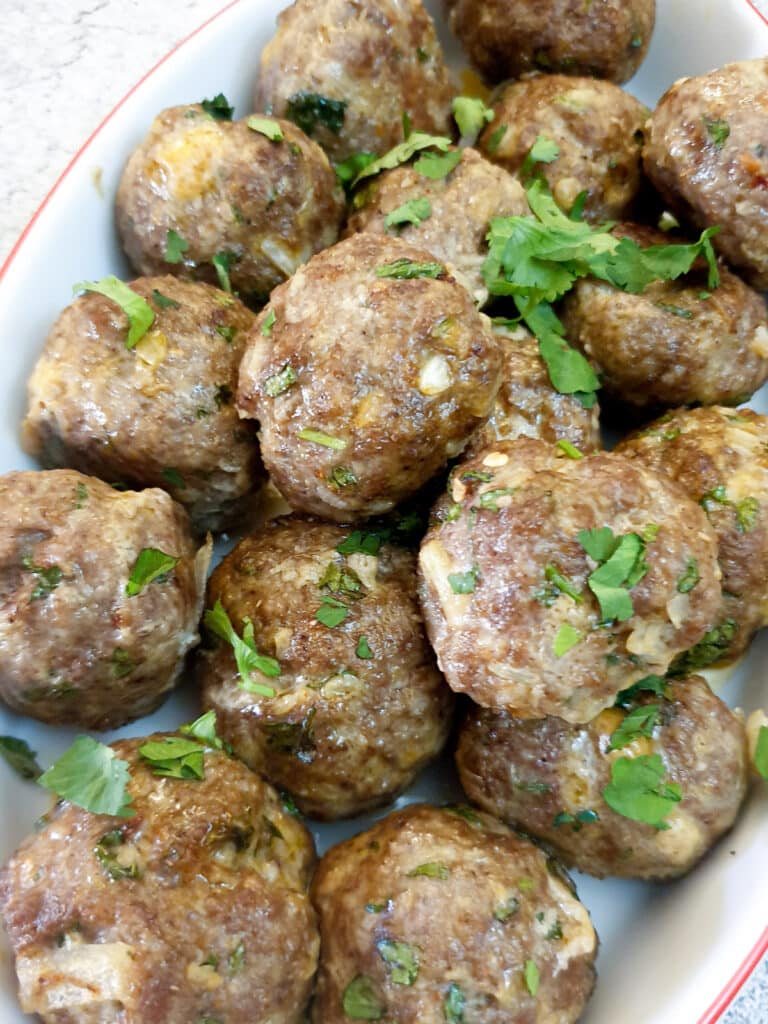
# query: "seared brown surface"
707,153
397,373
597,128
377,58
224,187
343,733
534,773
518,510
214,924
473,903
462,205
703,450
678,342
81,650
159,415
506,38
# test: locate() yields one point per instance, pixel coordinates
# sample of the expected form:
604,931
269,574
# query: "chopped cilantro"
20,756
531,975
506,909
438,165
639,722
342,476
637,790
48,578
406,270
204,729
326,440
227,332
567,637
266,126
712,647
122,663
471,115
747,512
402,153
689,578
310,111
332,612
363,651
222,264
218,108
247,656
453,1007
561,583
174,757
91,776
278,383
175,246
415,211
622,565
268,323
543,151
432,870
236,959
761,752
362,1000
495,138
650,684
401,959
151,566
489,499
718,130
570,450
349,170
363,542
103,851
163,302
464,582
137,309
339,579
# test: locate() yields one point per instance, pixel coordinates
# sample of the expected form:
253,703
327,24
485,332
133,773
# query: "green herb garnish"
566,638
246,655
20,756
639,722
401,154
431,870
471,115
266,126
406,270
363,650
222,264
218,108
91,776
48,578
174,757
137,309
362,999
278,383
151,566
531,975
401,959
437,165
637,790
175,246
453,1007
326,440
310,111
415,211
464,582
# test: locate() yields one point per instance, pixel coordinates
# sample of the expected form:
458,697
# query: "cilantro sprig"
621,565
90,775
638,790
246,655
136,308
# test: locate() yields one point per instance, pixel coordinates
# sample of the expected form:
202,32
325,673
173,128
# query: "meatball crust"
598,131
504,579
707,153
345,70
507,38
193,909
548,778
359,707
675,344
461,206
438,910
364,382
75,646
226,188
159,415
719,457
528,406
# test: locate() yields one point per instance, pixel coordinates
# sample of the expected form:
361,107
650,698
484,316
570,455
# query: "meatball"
437,913
457,211
559,781
195,909
598,131
101,596
257,196
528,406
553,583
507,38
720,458
370,369
161,414
707,153
346,70
676,343
359,706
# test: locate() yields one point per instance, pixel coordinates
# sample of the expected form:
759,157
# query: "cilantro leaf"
471,115
266,126
402,153
599,544
543,151
690,578
761,752
20,757
431,870
48,578
278,383
415,211
268,323
342,476
137,309
567,637
310,110
163,302
246,655
531,975
363,542
204,729
332,612
464,582
570,450
650,684
174,757
363,651
639,722
718,130
612,581
350,169
91,776
637,790
222,264
175,246
712,647
407,270
362,1000
438,165
152,565
218,108
401,959
453,1007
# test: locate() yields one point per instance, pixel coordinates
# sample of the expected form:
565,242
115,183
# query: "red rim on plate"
734,986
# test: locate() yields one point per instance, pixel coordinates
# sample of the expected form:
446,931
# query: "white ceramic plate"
672,954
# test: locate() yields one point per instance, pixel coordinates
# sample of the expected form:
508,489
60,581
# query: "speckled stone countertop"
65,63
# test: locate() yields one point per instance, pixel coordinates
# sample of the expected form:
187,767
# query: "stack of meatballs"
461,557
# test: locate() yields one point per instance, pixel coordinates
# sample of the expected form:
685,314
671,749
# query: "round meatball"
719,457
707,153
255,196
528,406
552,583
598,131
358,706
449,216
675,344
346,70
440,915
507,38
370,368
161,414
194,909
567,784
101,596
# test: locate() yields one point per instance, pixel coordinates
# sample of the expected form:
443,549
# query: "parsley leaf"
639,722
175,246
362,999
402,153
415,211
363,651
151,566
174,757
620,571
342,476
471,115
266,126
438,165
246,655
761,752
218,108
453,1007
401,959
109,861
278,383
20,757
406,270
637,790
567,637
310,110
138,310
91,776
331,612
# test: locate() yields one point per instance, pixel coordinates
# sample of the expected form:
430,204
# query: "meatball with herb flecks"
101,595
367,372
352,705
550,583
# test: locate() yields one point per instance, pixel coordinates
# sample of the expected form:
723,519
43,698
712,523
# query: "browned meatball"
707,153
558,781
506,38
719,457
198,188
161,414
529,613
598,131
370,368
93,628
457,211
438,915
359,706
676,343
193,910
528,406
346,70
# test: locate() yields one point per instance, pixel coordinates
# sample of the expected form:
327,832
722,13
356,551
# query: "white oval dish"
672,954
